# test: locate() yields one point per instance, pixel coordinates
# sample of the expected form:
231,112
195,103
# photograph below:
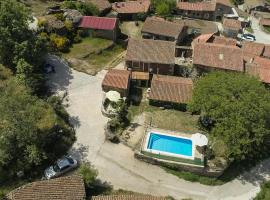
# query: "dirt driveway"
116,163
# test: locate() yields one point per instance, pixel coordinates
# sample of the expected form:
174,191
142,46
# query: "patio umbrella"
113,96
199,139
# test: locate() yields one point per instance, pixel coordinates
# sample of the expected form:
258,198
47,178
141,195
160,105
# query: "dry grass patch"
130,29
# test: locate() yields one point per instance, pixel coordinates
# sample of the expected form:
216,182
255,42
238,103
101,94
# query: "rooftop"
139,6
116,78
253,48
151,51
198,6
64,188
265,22
260,67
232,24
159,26
171,89
102,23
218,56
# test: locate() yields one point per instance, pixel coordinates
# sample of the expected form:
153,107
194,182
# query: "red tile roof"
203,37
171,89
64,188
198,6
130,7
159,26
266,52
224,40
127,197
232,24
102,23
253,48
218,56
260,67
151,51
116,78
265,22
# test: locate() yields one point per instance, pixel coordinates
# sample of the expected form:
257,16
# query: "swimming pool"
169,145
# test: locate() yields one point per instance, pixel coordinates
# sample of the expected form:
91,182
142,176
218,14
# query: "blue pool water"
170,144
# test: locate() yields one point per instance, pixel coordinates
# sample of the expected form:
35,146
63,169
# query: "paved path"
116,163
260,35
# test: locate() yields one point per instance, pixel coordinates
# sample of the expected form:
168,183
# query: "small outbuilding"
103,27
117,80
231,27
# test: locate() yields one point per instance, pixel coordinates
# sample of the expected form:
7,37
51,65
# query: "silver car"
61,166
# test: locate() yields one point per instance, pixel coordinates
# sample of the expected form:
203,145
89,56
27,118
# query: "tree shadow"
80,152
248,172
60,80
99,187
75,121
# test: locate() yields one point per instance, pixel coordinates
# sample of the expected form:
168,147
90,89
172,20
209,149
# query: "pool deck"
197,154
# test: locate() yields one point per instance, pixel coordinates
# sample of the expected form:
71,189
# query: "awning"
140,75
113,96
199,139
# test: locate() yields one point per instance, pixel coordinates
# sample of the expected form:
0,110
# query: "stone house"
256,5
207,10
160,29
102,27
151,56
103,6
129,10
231,27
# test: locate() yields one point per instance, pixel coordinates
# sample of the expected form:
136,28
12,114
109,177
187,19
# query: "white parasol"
199,139
113,96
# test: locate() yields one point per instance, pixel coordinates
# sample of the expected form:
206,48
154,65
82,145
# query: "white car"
61,166
248,37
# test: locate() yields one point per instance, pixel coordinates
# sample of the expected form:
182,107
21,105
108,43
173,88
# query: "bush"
59,42
164,7
264,194
84,8
89,174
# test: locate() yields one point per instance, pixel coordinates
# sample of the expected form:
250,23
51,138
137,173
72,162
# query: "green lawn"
93,54
165,119
88,46
130,29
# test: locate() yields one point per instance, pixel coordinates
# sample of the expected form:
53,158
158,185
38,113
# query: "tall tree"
235,109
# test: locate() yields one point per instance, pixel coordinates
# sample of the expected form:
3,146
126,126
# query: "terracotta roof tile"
198,6
171,89
224,40
232,24
117,78
203,37
139,6
127,197
266,52
140,75
253,48
151,51
162,27
101,23
218,56
260,67
265,22
64,188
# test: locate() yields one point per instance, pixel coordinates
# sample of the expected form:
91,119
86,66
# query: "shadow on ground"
59,80
80,152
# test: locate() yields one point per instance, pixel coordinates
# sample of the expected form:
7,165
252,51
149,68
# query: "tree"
89,174
164,7
18,43
31,131
235,109
264,194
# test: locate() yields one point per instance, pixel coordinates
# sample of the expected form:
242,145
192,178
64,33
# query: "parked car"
61,166
248,37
